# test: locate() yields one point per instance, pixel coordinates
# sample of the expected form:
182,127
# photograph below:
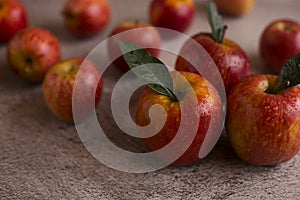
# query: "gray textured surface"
43,158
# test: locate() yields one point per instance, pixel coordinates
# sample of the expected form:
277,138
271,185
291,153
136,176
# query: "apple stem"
220,40
216,22
173,96
68,15
289,75
29,61
137,22
279,87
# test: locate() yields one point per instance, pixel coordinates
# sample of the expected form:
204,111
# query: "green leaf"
148,68
290,73
216,22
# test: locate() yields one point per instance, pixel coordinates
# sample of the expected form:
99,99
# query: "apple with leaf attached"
191,105
263,116
230,58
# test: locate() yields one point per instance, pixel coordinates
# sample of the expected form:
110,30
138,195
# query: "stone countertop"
42,157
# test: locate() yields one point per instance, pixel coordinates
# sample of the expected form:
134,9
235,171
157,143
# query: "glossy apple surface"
137,32
208,106
230,58
59,83
263,128
279,42
31,52
86,18
235,7
173,14
13,17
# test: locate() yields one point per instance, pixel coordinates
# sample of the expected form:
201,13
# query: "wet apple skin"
209,106
263,129
232,62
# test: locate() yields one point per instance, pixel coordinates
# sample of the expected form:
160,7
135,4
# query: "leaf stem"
279,87
222,35
216,22
172,96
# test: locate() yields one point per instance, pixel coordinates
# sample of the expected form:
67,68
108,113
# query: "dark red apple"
13,17
208,106
139,33
59,83
230,58
31,52
279,41
172,14
263,126
86,18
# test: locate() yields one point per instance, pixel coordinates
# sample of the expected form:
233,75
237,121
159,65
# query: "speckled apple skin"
13,18
172,14
59,83
209,108
86,18
279,42
231,60
263,129
37,45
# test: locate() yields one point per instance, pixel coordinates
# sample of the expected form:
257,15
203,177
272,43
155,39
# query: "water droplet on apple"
275,108
272,125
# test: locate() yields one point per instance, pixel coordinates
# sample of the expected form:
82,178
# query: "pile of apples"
263,126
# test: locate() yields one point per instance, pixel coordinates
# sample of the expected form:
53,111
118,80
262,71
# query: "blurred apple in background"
31,52
59,83
13,17
137,32
279,41
235,7
172,14
230,58
86,18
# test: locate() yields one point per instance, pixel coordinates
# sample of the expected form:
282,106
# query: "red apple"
59,83
230,58
235,7
139,33
208,106
263,126
31,52
279,41
13,17
172,14
86,18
